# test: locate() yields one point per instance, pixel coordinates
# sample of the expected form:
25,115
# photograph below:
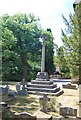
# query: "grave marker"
68,111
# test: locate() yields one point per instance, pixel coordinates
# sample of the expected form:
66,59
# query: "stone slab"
25,115
42,116
70,86
22,92
68,118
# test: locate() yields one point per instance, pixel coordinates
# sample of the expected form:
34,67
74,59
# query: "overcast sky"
49,11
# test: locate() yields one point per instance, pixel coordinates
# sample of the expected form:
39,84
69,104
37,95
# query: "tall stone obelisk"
42,75
43,53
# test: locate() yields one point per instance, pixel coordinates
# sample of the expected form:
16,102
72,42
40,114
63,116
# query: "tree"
78,17
50,67
26,31
71,44
62,62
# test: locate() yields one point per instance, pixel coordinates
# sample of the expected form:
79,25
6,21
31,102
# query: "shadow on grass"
8,82
22,103
20,100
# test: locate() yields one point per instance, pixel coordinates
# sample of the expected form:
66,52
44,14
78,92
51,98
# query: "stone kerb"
70,86
68,118
24,115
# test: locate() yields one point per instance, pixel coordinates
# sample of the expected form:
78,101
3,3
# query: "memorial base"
42,76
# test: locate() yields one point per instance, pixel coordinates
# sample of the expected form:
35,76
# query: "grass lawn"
9,83
22,103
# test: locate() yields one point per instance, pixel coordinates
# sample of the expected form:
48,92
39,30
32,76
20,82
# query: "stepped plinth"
42,85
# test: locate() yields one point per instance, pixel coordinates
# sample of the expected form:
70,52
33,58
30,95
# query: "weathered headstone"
19,90
4,89
67,111
18,86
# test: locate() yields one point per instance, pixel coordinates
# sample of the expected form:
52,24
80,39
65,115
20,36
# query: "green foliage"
61,61
50,67
71,38
20,39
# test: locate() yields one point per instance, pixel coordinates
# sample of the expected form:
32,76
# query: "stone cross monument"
42,75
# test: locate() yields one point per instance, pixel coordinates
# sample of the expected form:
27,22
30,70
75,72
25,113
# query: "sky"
49,11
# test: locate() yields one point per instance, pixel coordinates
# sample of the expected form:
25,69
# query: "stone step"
53,90
41,82
42,79
41,85
60,92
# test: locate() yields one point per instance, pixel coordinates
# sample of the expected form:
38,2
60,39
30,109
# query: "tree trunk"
25,72
25,65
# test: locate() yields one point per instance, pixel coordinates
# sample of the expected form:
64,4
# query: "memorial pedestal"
42,76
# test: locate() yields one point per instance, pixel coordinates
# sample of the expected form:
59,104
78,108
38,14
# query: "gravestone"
67,111
18,87
4,89
21,91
